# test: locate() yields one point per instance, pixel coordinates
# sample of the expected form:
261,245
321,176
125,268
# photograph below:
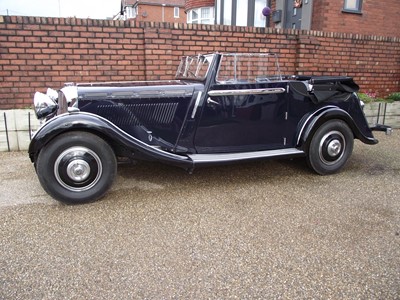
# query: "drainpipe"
163,12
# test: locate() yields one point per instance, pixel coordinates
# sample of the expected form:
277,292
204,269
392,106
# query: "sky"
94,9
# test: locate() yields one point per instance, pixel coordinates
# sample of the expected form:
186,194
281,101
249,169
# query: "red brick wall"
373,61
36,53
377,17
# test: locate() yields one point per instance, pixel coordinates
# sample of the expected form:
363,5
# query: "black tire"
330,147
76,167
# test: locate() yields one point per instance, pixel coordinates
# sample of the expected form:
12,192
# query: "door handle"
209,100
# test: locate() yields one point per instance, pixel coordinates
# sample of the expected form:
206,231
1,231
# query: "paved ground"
270,230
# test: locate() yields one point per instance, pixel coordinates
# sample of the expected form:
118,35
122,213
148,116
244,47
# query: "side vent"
139,114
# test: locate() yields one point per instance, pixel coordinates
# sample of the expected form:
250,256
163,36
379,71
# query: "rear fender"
310,124
105,129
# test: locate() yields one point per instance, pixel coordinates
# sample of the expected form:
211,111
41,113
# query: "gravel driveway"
262,230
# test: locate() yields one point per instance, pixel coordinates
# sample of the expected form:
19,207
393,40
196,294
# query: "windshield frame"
271,58
191,67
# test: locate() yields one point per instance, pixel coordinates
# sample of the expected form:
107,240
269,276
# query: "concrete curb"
16,127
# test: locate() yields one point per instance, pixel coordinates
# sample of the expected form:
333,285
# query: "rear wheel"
76,167
330,147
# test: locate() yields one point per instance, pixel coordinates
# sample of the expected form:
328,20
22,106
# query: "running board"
231,157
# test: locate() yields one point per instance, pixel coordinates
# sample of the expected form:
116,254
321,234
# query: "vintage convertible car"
220,108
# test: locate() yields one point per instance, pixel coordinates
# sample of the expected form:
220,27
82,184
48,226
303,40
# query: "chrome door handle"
209,100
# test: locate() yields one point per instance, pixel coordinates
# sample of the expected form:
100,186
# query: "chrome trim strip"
196,105
226,157
246,92
308,119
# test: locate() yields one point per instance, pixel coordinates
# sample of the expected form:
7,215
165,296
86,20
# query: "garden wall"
36,53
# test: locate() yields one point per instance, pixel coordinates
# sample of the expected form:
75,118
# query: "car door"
242,118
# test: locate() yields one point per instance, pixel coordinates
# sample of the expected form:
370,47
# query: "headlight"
44,105
70,93
67,99
62,101
53,94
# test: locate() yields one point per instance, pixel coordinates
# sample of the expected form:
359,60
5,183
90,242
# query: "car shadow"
151,175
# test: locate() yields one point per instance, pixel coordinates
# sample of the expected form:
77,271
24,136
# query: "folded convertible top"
325,88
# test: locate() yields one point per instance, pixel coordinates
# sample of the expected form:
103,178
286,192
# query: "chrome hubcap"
334,147
331,147
78,169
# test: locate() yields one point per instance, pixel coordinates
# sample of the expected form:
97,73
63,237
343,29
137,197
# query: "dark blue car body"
220,108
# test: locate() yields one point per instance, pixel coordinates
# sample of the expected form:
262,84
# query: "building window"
241,12
259,18
130,12
352,6
227,19
203,15
176,12
218,15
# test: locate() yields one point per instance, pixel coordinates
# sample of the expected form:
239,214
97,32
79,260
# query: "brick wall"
36,53
377,17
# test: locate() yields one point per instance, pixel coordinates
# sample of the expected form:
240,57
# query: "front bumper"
379,127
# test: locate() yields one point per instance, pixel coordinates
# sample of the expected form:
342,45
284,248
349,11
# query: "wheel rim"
331,147
78,169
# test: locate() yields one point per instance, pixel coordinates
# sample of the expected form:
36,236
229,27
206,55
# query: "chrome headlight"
70,93
44,105
67,99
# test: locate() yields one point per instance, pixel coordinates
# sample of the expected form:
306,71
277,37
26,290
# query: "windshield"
252,67
194,67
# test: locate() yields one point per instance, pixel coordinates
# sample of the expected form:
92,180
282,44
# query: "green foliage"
394,96
371,97
365,98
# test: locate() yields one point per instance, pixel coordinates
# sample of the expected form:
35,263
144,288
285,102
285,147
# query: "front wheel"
330,147
76,167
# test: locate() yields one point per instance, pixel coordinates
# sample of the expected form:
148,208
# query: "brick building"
345,16
200,11
241,12
361,16
154,10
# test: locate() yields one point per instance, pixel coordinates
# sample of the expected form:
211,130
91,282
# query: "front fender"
313,121
104,128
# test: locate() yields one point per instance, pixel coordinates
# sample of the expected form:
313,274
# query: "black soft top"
325,88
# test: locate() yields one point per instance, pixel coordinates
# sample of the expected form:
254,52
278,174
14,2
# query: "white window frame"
347,8
199,19
176,12
259,18
130,12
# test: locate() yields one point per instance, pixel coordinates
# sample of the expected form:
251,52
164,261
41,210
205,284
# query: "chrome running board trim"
227,157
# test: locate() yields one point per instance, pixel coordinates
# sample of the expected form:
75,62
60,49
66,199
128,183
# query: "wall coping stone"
185,26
